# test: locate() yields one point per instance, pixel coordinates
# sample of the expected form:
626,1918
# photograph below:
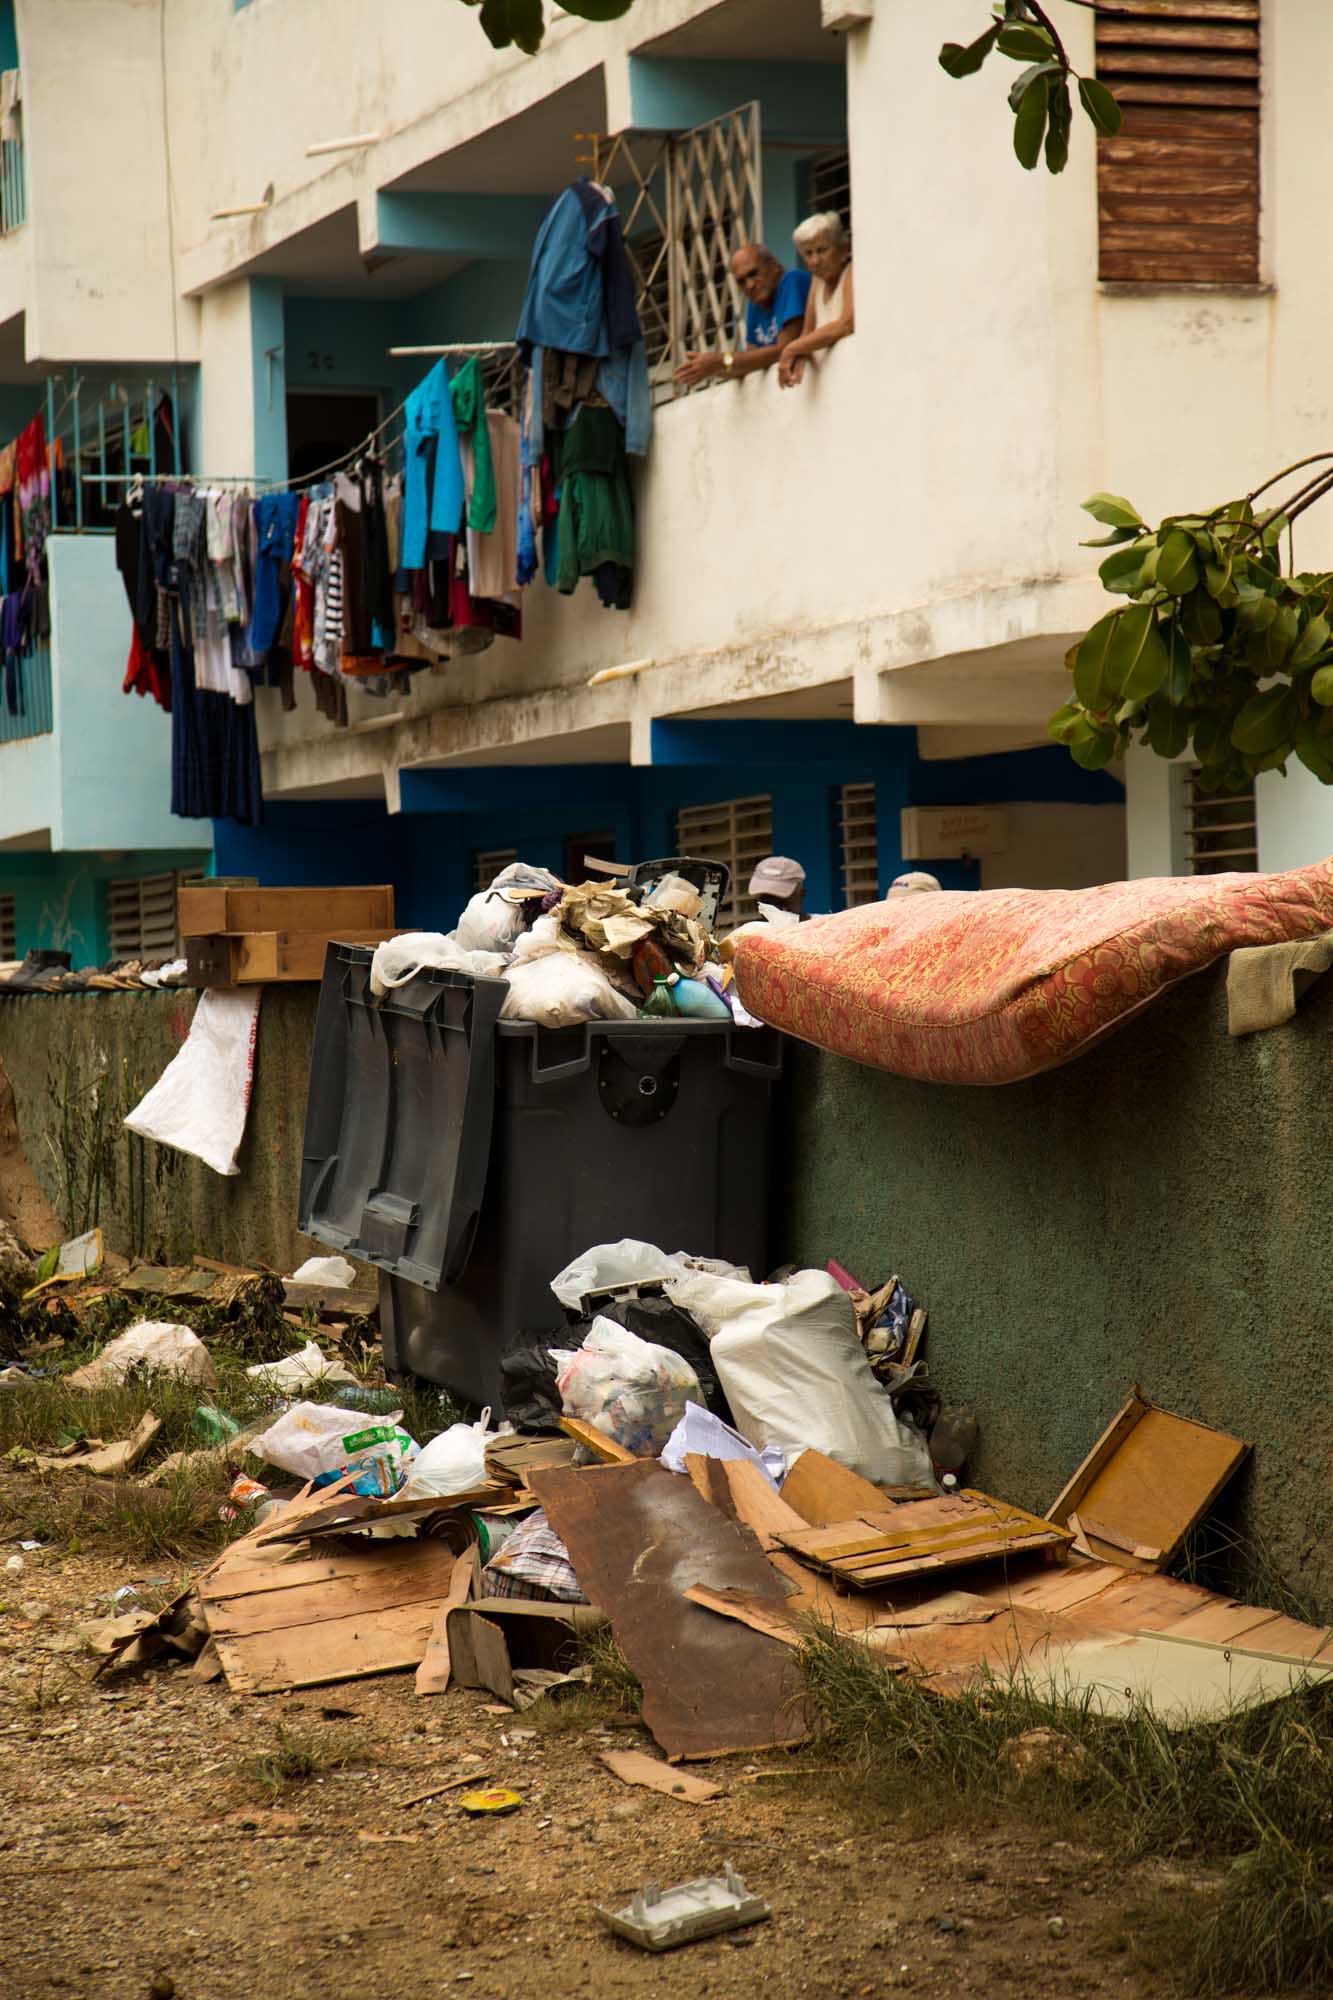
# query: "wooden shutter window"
1178,185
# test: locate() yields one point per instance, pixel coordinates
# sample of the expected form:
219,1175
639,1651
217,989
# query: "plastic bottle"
214,1425
954,1438
658,1005
696,1000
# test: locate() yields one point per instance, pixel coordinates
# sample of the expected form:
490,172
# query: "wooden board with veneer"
919,1536
1147,1481
265,958
206,909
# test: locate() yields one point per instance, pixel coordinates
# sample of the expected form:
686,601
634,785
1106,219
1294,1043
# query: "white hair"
829,224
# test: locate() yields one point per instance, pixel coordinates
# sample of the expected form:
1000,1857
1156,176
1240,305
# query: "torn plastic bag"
321,1442
399,959
609,1266
791,1361
496,918
528,1372
453,1462
631,1391
153,1347
647,1312
563,989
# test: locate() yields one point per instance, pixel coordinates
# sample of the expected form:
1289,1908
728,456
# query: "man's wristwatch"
728,361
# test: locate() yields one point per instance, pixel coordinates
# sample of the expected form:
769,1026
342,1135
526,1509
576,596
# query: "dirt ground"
138,1843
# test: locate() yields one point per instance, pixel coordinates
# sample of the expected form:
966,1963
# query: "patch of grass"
178,1520
1258,1783
295,1758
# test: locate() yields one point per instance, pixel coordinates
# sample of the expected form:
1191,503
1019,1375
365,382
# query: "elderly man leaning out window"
775,303
829,311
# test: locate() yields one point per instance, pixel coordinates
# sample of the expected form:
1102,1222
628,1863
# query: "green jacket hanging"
469,399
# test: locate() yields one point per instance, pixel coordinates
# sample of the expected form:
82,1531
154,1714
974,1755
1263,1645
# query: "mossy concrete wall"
1159,1211
77,1062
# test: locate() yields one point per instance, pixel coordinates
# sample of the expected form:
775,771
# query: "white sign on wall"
953,833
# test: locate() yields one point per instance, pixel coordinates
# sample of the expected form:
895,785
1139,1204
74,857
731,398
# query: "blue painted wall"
9,36
427,850
61,899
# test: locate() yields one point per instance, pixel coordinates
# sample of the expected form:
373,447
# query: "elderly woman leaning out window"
829,312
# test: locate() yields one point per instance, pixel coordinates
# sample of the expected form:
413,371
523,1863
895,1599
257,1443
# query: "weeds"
1255,1787
295,1759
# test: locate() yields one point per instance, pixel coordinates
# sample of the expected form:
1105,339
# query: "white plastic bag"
200,1102
399,959
562,989
320,1442
796,1375
153,1347
496,918
630,1262
627,1388
325,1271
297,1371
453,1462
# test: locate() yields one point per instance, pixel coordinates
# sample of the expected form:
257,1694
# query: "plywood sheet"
823,1492
639,1537
434,1672
919,1536
1149,1478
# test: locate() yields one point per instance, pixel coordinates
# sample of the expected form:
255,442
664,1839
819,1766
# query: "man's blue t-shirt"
763,324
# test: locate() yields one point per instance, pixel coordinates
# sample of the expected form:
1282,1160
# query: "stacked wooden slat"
1178,185
249,936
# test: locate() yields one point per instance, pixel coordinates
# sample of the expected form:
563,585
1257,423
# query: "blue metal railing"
30,682
110,429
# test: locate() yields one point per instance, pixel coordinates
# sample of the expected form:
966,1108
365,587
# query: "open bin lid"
399,1116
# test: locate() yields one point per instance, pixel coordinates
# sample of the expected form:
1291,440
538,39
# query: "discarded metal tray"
660,1919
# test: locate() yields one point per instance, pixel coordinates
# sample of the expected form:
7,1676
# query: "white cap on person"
776,879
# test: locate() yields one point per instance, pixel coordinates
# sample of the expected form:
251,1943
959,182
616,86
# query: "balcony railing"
13,178
25,696
109,431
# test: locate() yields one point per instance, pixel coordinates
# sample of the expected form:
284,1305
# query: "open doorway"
325,424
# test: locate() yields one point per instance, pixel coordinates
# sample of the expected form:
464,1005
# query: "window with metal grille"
687,203
830,185
141,914
860,846
1221,829
9,928
487,863
1178,185
737,831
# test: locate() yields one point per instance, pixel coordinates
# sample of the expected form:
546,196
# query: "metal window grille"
487,863
9,928
737,831
860,846
13,176
110,429
687,203
1221,829
830,184
1178,185
141,914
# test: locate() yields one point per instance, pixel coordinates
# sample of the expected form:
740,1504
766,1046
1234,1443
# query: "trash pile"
705,1464
639,947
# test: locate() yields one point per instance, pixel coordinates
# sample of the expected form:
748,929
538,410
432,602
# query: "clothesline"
250,479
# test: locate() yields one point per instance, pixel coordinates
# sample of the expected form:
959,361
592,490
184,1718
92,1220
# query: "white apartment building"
853,598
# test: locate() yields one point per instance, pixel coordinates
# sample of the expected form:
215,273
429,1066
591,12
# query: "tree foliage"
1040,96
1217,646
523,22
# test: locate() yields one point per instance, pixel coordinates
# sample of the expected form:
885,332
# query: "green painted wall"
1158,1211
60,900
77,1062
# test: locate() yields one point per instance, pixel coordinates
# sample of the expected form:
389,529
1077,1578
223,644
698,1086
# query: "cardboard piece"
1147,1481
434,1672
109,1460
636,1767
639,1538
823,1492
493,1641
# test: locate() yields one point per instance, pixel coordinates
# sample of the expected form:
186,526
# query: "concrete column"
1154,815
244,380
1295,816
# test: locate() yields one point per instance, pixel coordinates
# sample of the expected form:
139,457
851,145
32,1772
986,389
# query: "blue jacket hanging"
432,498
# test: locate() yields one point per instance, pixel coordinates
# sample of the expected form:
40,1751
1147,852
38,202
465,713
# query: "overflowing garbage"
639,947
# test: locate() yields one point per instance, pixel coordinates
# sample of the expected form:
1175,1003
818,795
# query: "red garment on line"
144,674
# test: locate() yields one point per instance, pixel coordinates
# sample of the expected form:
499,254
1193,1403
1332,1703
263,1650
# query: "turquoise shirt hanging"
433,467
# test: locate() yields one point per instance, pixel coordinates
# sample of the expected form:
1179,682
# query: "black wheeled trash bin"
472,1158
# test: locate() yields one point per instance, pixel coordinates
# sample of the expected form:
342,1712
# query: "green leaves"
1030,121
960,60
1136,659
1216,648
521,22
1100,106
1059,127
1026,42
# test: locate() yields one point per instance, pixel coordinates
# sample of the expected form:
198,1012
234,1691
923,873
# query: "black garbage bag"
527,1372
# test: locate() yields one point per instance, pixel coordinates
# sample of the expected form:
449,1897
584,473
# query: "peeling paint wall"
1155,1212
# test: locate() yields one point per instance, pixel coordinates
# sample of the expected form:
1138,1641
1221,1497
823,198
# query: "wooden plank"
1222,1623
1112,34
205,908
640,1537
1187,64
597,1442
359,1584
757,1503
823,1492
433,1673
335,1649
1120,214
1141,269
331,1301
1151,1477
